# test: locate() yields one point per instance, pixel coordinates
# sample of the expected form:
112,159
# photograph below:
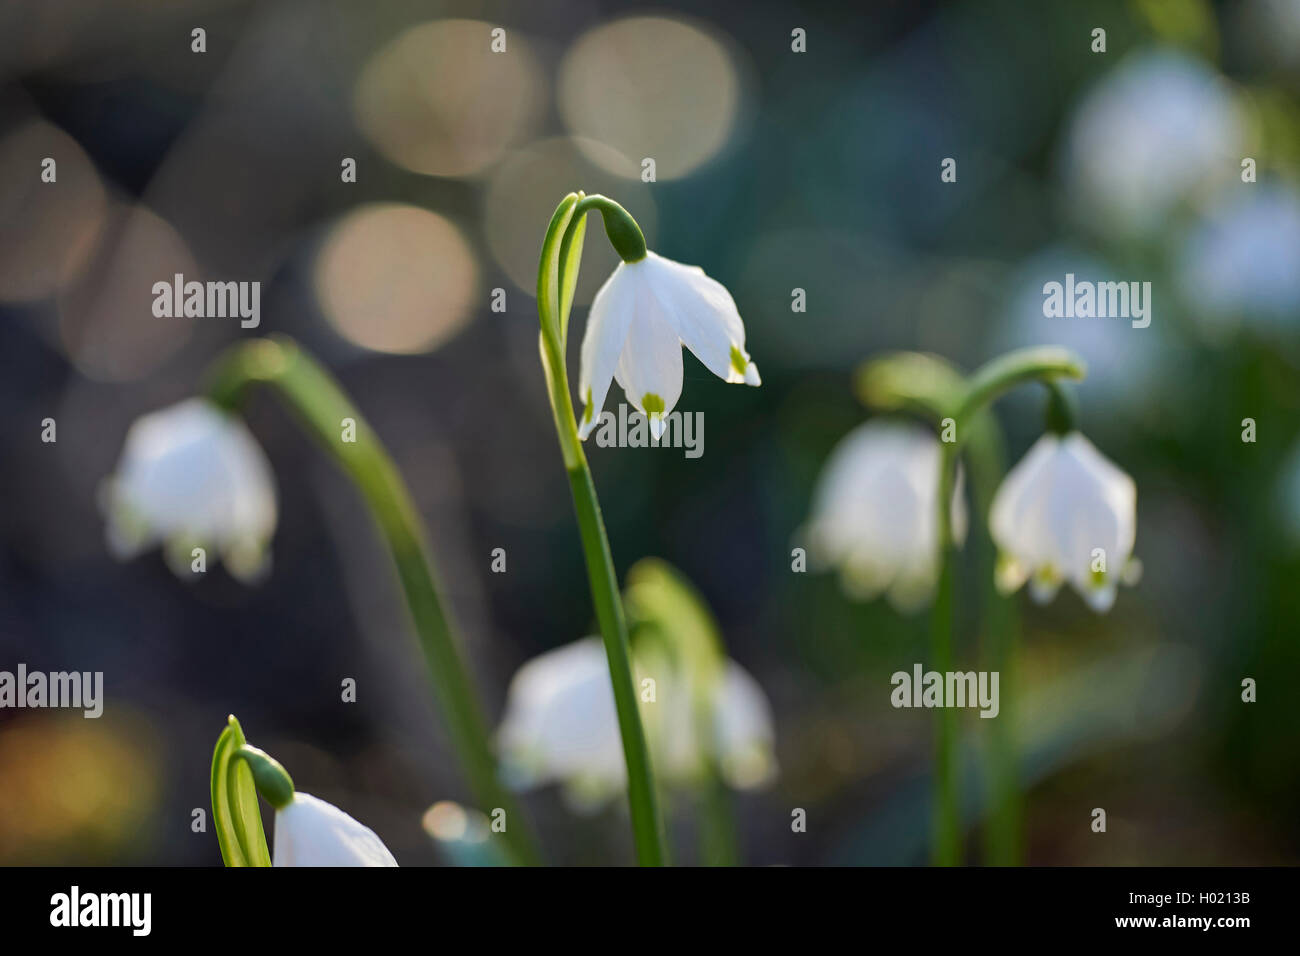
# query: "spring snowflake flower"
311,832
561,725
1150,133
1065,513
639,320
1239,264
192,476
875,514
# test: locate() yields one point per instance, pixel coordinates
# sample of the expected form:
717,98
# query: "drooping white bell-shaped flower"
561,725
639,320
191,476
311,832
1065,513
875,513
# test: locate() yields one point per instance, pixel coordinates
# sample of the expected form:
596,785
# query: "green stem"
647,825
623,232
930,386
946,846
719,842
705,664
667,613
1062,415
1046,365
1000,630
557,277
321,406
999,376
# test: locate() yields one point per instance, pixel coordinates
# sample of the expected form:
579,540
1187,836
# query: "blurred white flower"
1243,261
1123,367
192,476
1065,513
640,319
1148,133
311,832
875,514
561,725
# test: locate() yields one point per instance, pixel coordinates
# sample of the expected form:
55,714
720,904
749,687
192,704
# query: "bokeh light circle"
650,87
106,318
396,278
438,101
48,230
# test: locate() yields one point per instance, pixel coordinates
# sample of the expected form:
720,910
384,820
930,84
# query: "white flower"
1146,136
1240,263
640,319
311,832
561,725
192,476
1065,513
875,513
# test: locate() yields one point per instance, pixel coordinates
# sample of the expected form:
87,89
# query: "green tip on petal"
653,404
586,411
738,360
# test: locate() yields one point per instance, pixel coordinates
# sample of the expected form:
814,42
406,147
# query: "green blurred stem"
321,406
557,276
931,386
1047,365
719,842
1000,629
665,611
946,847
990,381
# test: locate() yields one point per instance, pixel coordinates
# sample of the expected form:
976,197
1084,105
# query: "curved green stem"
993,379
321,406
1062,415
623,232
557,277
269,776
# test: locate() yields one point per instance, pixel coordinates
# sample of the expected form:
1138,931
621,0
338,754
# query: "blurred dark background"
776,170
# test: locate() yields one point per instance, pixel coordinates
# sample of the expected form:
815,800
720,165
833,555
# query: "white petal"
1057,509
1101,598
1014,515
743,725
1117,488
311,832
190,475
560,722
603,339
650,368
874,512
706,318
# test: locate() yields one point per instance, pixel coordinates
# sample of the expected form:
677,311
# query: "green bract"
235,813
